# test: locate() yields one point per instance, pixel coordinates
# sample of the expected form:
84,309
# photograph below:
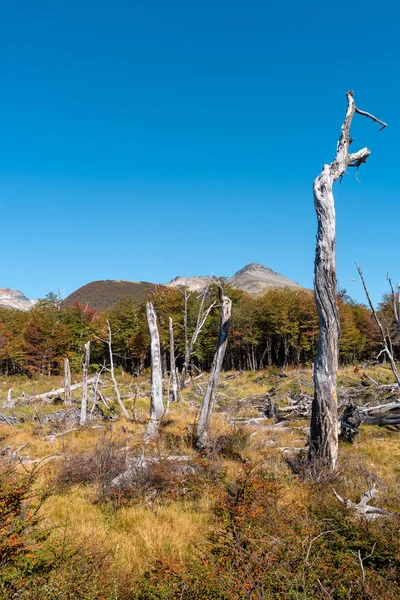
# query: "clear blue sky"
142,140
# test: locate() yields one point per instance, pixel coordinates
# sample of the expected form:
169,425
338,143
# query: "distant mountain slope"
15,299
256,279
100,295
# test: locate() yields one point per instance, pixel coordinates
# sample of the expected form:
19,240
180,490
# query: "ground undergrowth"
234,523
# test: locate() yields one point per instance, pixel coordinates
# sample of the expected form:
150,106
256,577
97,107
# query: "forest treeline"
279,328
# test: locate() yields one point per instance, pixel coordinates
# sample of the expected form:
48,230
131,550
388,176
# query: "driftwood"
363,510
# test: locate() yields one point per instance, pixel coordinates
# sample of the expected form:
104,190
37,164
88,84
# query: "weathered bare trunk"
67,382
323,451
112,373
203,424
174,377
86,362
156,403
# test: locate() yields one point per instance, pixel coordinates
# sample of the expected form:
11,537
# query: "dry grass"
139,534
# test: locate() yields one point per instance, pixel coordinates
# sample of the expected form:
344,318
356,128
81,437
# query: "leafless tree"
84,384
174,376
384,337
111,369
156,403
202,315
67,382
323,449
203,424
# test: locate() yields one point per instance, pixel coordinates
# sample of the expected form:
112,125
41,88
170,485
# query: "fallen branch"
362,509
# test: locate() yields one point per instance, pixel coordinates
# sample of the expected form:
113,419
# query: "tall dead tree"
174,376
86,362
202,315
112,373
156,403
67,382
203,424
323,450
384,337
395,304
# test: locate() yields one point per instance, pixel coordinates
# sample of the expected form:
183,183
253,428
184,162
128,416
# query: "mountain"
15,299
256,279
102,294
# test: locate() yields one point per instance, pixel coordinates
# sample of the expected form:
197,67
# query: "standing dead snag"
111,370
174,376
156,403
381,330
67,383
324,431
202,315
203,424
84,384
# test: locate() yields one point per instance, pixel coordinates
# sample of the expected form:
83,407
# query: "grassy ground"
138,533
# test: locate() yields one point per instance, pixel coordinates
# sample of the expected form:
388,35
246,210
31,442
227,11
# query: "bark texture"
323,449
86,362
67,383
156,403
203,424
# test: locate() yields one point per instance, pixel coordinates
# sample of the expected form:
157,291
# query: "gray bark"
203,424
174,377
156,403
323,451
67,383
86,362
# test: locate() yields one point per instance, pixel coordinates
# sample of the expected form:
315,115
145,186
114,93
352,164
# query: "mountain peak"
255,279
15,299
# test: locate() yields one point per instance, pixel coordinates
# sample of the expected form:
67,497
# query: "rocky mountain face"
254,279
15,299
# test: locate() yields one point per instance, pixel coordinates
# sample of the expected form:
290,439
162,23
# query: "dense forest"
279,328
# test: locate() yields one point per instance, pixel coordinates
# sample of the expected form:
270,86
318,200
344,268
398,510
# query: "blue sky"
142,140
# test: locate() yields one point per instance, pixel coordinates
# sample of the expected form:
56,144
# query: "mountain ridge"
254,279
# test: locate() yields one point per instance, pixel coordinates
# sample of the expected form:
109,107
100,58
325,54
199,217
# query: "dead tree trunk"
86,361
386,349
112,373
323,451
203,424
156,403
201,319
174,377
67,383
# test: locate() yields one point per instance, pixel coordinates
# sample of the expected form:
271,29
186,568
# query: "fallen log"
60,391
363,510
